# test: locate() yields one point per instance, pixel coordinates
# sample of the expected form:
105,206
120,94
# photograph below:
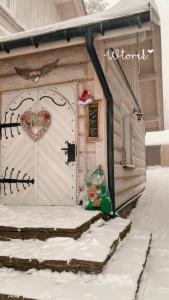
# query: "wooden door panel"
43,160
52,167
17,152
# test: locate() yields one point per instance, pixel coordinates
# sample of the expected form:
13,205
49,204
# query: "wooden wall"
35,13
153,155
164,155
131,68
45,12
75,66
157,155
129,181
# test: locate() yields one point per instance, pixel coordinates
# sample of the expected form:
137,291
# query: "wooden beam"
156,45
152,118
62,1
101,146
80,8
4,31
127,40
148,76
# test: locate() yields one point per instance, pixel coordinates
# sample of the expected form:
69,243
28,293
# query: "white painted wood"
8,23
18,151
45,12
42,12
55,181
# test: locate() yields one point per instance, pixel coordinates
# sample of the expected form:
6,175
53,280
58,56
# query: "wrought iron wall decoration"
35,74
54,101
18,106
62,98
12,121
10,125
25,121
67,100
25,181
35,124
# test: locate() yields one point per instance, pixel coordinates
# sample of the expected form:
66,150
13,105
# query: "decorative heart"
35,124
150,51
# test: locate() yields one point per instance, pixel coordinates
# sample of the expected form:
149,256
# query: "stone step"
43,222
89,253
119,279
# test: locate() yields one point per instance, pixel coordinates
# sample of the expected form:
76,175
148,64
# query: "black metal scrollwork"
58,104
25,181
9,125
15,108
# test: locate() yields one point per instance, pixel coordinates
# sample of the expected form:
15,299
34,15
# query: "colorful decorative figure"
96,193
85,98
35,124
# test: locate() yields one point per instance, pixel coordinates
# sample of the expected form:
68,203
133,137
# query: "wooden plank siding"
75,66
128,182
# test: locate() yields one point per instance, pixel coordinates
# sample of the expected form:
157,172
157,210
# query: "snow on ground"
119,278
152,213
44,216
100,236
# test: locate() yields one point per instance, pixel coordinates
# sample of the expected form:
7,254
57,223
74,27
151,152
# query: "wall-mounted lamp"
138,114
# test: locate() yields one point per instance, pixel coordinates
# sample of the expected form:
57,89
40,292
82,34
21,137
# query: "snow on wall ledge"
157,138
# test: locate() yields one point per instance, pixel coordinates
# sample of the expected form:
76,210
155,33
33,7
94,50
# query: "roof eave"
136,19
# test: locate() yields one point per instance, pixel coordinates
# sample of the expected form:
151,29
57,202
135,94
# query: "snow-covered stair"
89,253
43,222
119,279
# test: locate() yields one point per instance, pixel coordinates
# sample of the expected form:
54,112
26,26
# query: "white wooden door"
36,173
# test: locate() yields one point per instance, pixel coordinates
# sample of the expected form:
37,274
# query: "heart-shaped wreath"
35,124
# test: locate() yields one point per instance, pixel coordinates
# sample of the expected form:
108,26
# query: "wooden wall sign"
92,121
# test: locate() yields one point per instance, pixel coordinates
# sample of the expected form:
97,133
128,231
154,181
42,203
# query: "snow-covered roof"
121,9
157,138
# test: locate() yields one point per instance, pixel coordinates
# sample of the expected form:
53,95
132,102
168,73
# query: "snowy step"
119,279
43,222
89,253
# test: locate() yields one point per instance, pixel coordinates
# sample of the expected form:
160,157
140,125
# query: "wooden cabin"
157,148
8,24
45,71
14,16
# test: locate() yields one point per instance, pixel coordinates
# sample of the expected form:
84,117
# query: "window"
126,137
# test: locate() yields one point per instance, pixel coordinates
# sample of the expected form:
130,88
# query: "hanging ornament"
35,124
85,98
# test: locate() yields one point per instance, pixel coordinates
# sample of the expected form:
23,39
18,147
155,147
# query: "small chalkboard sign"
93,121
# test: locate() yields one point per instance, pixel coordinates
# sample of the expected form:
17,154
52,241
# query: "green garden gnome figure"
96,192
